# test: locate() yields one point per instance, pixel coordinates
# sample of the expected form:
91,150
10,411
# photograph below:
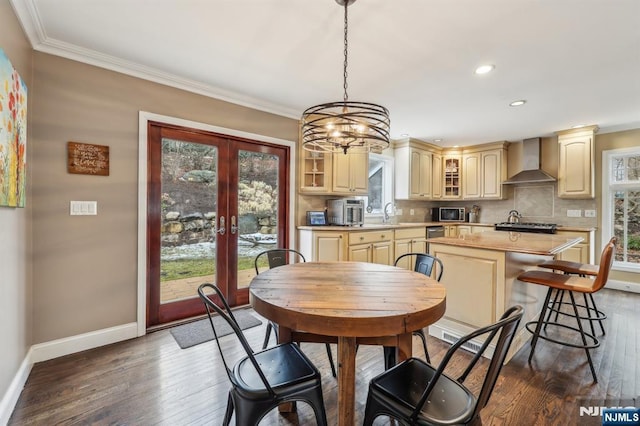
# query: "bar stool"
582,270
571,284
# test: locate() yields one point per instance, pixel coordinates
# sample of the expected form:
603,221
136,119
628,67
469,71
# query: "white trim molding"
11,396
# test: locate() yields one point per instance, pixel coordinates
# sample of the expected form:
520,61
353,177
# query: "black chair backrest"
506,326
225,313
277,257
424,264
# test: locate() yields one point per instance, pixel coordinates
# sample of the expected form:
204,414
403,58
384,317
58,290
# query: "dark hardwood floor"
151,381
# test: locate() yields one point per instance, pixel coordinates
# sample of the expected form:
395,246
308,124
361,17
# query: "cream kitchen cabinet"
409,240
576,166
450,230
437,176
583,252
315,169
414,170
451,176
464,229
371,246
323,246
484,168
350,173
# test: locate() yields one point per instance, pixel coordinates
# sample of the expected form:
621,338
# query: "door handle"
234,228
221,230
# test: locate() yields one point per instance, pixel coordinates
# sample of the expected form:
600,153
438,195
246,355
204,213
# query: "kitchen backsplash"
535,202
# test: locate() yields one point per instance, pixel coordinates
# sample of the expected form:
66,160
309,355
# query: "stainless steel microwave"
345,211
448,214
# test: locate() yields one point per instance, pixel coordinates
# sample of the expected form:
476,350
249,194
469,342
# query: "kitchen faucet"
385,219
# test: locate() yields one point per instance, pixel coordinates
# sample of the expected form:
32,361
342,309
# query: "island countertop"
517,242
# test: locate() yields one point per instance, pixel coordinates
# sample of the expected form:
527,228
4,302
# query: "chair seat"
559,281
569,267
282,365
453,403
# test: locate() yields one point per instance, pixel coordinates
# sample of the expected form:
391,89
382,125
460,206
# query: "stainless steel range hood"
531,171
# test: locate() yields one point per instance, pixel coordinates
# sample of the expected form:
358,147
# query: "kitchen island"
480,275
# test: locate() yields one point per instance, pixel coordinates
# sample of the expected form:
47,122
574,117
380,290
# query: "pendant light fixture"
345,125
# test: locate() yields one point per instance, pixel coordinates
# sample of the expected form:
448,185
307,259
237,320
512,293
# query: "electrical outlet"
399,212
574,213
589,213
412,212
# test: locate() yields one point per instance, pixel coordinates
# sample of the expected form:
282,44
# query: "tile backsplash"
535,202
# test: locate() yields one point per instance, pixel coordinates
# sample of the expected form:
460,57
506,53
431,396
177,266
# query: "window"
621,205
380,185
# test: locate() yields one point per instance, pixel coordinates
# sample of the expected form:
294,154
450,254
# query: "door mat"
194,333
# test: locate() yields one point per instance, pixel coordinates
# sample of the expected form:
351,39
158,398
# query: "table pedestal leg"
346,380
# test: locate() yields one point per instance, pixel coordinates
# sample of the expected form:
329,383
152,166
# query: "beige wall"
85,266
15,280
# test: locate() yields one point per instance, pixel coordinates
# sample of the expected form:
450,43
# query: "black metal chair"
416,393
261,381
424,264
278,257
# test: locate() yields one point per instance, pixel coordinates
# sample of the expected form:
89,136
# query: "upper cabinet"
576,173
451,175
350,173
484,168
337,174
437,176
414,170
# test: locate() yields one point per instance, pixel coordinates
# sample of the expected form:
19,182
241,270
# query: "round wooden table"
351,303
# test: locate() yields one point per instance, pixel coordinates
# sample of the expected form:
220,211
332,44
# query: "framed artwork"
13,135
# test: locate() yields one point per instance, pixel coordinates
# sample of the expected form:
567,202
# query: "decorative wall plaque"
88,159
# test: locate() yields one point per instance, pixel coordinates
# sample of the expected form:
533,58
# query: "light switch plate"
412,212
83,208
574,213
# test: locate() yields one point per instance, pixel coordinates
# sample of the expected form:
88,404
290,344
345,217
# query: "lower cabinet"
582,252
409,240
325,246
371,246
450,230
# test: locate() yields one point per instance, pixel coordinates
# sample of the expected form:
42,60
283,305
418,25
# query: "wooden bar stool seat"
570,284
582,270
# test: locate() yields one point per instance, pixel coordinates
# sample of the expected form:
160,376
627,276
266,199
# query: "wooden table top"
347,298
517,242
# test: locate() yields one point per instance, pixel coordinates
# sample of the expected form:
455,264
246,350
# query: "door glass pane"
257,210
189,197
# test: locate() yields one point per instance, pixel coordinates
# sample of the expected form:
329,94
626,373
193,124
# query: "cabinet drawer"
404,233
370,236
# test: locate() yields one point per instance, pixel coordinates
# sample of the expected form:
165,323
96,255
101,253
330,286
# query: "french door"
214,203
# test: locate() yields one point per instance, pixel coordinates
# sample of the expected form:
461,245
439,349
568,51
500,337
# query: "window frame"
387,185
609,187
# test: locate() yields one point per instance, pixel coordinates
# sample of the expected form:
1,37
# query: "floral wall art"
13,135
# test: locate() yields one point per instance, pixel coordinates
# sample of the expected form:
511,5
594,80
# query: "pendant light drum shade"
340,126
344,125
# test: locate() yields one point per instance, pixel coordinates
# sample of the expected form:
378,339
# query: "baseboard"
623,285
55,349
10,398
82,342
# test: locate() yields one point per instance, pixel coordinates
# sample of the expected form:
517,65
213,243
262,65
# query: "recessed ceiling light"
578,126
518,103
456,146
483,69
437,140
404,135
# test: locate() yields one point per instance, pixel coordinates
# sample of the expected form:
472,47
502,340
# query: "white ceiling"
574,61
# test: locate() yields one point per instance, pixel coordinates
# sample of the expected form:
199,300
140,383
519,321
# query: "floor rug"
200,331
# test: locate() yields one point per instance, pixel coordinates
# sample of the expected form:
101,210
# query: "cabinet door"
419,245
341,173
315,169
402,247
463,229
359,172
382,253
471,179
436,177
360,253
450,230
328,246
491,168
576,165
